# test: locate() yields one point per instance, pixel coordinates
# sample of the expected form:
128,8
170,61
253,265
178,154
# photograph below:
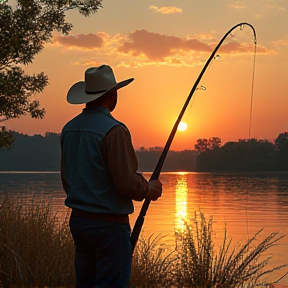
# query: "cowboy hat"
98,81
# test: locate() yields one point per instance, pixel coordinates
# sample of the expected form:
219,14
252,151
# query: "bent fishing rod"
140,220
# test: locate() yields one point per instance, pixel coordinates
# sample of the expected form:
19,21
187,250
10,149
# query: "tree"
214,143
204,145
281,143
23,32
6,138
243,155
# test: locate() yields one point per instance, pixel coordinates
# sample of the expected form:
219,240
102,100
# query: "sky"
164,45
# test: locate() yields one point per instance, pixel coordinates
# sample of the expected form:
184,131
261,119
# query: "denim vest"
90,186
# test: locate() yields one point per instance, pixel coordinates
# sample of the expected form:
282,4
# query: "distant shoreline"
163,172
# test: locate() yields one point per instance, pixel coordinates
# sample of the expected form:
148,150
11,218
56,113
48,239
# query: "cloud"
144,48
158,46
277,6
91,63
205,36
235,6
236,48
280,43
82,41
166,10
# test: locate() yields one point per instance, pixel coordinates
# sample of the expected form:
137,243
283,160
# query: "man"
99,175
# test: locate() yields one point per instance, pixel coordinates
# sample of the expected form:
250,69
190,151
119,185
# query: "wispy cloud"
281,43
244,48
166,10
235,6
91,63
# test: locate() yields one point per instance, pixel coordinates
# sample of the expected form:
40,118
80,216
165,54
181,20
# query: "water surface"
242,203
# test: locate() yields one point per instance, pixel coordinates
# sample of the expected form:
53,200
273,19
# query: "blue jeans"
102,253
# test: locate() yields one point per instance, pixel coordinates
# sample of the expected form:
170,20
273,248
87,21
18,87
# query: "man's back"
91,186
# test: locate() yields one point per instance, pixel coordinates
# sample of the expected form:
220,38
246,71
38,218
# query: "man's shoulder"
120,128
72,121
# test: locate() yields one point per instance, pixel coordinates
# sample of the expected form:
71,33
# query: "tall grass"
196,263
152,263
37,250
201,266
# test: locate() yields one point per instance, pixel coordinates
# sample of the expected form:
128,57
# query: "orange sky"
164,45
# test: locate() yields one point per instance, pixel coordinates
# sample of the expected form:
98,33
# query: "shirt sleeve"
119,153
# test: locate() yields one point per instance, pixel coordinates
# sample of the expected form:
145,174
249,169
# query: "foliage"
6,138
23,32
42,153
281,143
204,145
37,250
32,153
244,155
34,246
200,266
39,152
152,264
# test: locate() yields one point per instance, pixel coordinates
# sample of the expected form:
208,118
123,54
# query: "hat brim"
77,94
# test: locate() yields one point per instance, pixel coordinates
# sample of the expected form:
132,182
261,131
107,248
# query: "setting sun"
182,126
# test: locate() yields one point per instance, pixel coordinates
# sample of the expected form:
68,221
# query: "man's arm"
122,162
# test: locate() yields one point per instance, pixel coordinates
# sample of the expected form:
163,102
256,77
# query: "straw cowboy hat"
98,81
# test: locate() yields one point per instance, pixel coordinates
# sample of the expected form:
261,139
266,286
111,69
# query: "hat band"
95,92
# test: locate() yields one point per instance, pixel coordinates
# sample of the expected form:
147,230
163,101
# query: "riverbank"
35,246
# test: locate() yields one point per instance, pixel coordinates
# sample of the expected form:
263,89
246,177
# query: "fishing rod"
141,217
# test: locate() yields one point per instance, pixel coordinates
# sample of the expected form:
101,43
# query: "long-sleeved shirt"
120,155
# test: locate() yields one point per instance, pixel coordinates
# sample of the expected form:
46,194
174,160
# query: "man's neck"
92,105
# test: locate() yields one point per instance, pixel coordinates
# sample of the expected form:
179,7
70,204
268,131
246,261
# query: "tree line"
42,153
242,155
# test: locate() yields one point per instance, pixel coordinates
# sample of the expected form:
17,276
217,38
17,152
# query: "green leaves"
23,32
15,90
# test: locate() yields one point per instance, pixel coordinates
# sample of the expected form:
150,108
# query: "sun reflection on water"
181,201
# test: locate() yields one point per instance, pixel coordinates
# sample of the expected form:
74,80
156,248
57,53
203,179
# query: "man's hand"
155,190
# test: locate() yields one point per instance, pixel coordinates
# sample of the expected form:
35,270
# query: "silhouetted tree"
23,32
33,153
6,138
243,155
214,143
204,145
281,143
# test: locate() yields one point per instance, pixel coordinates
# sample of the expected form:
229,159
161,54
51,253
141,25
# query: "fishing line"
218,57
203,88
249,130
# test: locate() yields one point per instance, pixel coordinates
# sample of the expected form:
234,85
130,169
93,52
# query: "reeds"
37,250
152,263
199,265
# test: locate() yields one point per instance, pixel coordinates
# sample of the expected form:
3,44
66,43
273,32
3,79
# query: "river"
242,203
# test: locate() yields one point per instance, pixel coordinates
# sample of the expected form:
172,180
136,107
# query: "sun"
182,126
